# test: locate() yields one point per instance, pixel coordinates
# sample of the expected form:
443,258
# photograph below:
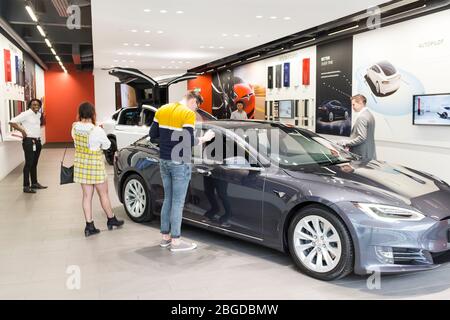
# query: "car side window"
115,116
147,117
129,117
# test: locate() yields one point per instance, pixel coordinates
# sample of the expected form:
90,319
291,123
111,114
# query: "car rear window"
387,68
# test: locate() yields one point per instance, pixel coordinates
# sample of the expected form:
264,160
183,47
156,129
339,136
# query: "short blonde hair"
360,98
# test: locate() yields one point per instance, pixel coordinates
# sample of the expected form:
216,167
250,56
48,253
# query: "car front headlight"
389,213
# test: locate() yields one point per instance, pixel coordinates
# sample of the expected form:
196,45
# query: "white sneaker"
183,246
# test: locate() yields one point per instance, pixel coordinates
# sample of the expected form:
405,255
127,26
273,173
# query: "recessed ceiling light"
136,44
163,67
125,44
53,51
273,17
221,47
124,60
163,11
259,17
120,54
31,13
129,53
139,54
177,67
147,31
180,12
211,47
134,30
236,35
180,61
147,44
287,18
147,10
116,60
248,35
159,32
48,43
202,47
224,35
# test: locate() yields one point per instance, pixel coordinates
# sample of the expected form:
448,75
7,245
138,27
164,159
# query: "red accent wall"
203,83
63,94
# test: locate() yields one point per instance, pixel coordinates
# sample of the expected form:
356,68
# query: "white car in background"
130,124
384,77
445,112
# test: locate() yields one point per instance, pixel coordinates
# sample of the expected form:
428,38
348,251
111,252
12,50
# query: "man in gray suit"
362,138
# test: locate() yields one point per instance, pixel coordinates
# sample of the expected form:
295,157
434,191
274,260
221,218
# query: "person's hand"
208,136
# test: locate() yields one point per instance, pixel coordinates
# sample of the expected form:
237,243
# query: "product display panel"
431,109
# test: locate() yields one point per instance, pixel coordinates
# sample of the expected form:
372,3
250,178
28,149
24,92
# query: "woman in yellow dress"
89,166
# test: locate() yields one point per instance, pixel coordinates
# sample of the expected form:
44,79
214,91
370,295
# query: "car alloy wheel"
317,244
445,115
331,117
135,198
320,244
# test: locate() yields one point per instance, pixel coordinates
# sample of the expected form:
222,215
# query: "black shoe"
38,186
113,222
29,190
90,229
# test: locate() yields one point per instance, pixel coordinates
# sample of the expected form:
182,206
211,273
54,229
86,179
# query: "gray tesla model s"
292,190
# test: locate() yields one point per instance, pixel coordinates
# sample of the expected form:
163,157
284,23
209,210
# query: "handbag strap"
64,156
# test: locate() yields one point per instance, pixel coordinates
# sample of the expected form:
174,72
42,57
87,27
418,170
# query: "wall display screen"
431,109
287,74
278,76
270,77
286,109
334,89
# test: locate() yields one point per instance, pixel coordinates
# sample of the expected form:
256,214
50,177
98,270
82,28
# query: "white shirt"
97,136
31,122
239,115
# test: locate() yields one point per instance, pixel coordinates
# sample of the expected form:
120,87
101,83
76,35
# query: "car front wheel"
136,199
320,244
445,115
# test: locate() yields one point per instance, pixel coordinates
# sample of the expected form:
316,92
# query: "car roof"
247,124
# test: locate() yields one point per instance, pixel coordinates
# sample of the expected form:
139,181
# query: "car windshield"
387,68
289,147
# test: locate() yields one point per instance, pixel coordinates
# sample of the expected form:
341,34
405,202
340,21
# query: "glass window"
147,117
129,117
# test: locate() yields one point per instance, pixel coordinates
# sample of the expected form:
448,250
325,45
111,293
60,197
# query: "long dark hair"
86,111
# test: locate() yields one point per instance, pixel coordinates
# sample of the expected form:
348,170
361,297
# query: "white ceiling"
205,30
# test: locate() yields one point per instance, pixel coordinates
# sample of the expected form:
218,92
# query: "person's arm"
105,143
15,123
360,133
154,128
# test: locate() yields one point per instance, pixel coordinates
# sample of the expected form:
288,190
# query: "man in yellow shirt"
174,125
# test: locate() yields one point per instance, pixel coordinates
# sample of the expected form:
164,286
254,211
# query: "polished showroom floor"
42,235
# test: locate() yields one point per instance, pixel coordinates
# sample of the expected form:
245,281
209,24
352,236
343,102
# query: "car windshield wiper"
333,162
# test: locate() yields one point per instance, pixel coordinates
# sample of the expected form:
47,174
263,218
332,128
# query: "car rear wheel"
320,244
331,117
109,154
136,199
445,115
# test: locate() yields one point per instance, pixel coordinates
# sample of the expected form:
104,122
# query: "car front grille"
406,256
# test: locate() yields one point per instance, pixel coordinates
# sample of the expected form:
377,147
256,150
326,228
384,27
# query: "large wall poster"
278,75
287,74
334,88
29,78
390,72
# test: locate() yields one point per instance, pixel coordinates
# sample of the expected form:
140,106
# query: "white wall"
11,154
105,96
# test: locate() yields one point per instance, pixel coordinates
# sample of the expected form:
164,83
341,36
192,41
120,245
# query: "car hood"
384,183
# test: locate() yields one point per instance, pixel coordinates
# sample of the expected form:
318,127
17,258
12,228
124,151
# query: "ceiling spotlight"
211,47
53,51
272,17
202,47
31,13
287,18
163,67
147,10
147,44
48,43
134,30
58,58
163,11
116,60
236,35
159,32
259,17
41,31
136,44
180,12
147,31
224,35
248,35
221,47
139,54
125,44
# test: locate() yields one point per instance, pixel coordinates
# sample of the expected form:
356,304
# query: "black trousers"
31,160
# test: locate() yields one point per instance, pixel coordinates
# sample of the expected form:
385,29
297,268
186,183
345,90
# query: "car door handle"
203,172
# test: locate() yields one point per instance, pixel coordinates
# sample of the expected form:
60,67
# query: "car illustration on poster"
300,194
445,112
383,78
332,110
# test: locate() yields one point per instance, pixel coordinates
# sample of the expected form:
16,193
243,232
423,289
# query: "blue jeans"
175,177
